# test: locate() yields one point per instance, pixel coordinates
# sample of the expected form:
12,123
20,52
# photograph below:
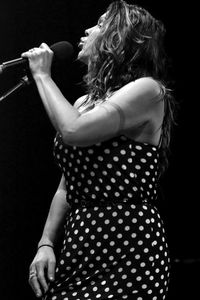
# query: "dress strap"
120,113
161,96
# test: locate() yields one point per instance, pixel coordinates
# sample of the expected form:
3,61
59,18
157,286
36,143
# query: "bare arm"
136,102
127,109
58,209
59,110
44,262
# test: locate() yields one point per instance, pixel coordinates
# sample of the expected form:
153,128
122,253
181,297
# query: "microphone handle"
11,63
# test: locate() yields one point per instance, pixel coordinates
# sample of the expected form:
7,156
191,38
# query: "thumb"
45,46
51,270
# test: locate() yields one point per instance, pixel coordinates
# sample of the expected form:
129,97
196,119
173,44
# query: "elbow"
75,137
69,136
72,137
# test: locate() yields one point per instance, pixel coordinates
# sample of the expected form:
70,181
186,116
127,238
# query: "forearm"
61,113
55,218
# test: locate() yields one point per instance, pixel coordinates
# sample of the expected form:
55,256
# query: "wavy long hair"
130,45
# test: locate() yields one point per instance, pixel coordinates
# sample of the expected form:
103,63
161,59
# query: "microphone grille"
63,51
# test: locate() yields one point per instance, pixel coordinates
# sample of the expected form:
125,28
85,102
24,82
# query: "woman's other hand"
42,270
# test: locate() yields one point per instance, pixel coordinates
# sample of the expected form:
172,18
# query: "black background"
28,175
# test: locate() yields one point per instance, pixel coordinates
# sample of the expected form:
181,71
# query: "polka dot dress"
114,245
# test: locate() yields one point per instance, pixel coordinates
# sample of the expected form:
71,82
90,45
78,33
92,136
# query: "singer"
111,147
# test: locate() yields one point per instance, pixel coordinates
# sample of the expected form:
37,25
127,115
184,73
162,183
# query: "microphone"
63,52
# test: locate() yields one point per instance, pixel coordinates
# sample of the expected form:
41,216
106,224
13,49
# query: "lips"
82,42
80,45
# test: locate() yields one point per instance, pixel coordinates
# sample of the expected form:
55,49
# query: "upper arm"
135,103
137,100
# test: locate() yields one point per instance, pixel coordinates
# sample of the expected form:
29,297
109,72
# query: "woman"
111,146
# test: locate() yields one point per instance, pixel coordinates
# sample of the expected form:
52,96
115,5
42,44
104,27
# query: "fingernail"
51,278
38,295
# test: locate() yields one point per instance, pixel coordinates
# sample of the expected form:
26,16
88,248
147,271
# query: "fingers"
31,53
46,49
41,276
43,48
51,270
37,279
40,60
33,281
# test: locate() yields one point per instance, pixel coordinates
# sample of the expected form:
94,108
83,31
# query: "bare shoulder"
143,109
143,91
146,88
148,84
79,101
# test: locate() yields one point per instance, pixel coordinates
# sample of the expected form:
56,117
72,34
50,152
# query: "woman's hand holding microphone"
40,60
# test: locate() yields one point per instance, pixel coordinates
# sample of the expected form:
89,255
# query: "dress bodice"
113,171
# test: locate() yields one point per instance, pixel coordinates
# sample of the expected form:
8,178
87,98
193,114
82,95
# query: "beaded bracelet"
51,246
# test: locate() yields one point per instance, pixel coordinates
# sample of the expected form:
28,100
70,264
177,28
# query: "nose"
89,30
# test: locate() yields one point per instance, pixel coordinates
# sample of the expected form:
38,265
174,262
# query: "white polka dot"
129,284
138,167
107,151
118,250
118,173
108,187
138,278
133,270
133,235
134,220
138,147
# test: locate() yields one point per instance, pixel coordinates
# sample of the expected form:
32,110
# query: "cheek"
92,38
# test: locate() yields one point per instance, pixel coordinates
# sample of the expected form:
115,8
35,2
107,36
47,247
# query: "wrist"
41,76
45,241
45,245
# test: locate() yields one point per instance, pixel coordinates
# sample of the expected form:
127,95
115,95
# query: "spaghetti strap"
161,96
120,113
161,138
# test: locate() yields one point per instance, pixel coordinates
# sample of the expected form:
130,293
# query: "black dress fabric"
115,245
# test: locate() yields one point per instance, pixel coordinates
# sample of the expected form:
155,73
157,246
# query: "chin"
82,57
